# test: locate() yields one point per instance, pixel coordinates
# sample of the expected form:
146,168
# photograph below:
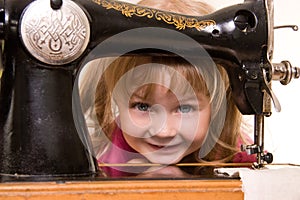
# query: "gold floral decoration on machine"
179,21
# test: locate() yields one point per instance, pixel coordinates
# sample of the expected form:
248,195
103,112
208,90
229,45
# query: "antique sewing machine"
46,42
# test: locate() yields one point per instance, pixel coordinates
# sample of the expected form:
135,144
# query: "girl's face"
164,127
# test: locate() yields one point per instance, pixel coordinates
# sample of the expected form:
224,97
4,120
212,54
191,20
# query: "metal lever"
267,88
294,27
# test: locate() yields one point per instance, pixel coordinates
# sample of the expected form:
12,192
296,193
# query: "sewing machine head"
46,44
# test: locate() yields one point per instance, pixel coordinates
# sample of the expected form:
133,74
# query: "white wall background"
282,130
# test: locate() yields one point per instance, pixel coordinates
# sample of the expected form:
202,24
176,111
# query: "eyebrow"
134,95
193,97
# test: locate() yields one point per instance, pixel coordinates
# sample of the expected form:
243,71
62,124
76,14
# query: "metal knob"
56,4
284,72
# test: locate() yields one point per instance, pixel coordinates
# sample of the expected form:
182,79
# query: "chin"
164,160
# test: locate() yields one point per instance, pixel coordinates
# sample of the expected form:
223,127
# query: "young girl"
164,110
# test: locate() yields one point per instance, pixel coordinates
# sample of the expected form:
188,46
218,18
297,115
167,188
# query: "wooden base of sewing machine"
125,189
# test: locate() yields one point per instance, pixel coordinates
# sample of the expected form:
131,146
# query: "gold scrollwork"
179,21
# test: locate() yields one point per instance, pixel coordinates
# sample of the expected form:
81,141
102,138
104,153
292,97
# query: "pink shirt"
121,152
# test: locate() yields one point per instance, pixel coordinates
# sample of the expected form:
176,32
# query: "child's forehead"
161,74
150,91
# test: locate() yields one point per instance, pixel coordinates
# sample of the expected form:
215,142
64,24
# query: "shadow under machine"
46,43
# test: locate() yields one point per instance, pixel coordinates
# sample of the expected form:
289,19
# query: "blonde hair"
179,6
215,85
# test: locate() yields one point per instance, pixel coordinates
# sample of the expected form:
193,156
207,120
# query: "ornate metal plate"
55,37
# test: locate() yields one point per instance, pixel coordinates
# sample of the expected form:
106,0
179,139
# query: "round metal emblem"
55,37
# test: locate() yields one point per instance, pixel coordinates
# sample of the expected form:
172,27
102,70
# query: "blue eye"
185,108
142,107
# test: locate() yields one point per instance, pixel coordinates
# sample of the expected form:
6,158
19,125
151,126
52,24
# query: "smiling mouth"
158,147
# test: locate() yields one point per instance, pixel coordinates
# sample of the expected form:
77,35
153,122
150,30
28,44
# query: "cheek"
139,119
133,123
195,129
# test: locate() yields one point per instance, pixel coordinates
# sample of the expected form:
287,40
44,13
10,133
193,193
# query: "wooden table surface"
123,189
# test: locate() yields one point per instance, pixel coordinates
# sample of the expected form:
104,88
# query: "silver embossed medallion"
55,37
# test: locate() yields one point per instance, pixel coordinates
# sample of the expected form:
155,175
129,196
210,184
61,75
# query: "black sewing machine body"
37,132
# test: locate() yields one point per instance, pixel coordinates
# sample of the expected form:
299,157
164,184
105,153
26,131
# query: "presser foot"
262,157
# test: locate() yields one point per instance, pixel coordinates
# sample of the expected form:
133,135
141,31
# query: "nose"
166,127
168,130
